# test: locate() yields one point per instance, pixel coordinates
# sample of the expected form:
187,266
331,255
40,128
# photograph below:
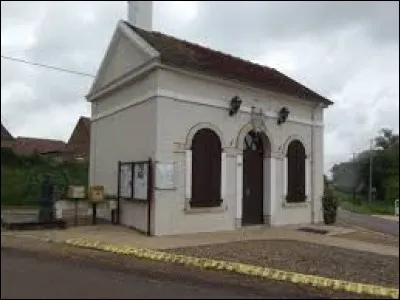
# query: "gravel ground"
266,288
306,258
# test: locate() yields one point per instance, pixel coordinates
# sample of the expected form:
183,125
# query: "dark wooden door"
253,166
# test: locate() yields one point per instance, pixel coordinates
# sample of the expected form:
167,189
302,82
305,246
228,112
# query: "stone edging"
267,273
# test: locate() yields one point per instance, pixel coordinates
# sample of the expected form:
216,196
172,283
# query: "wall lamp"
283,115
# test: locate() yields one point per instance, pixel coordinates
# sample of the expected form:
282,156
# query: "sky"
346,51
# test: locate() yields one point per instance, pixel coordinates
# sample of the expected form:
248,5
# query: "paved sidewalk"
126,237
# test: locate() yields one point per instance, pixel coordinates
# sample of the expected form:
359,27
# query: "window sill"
134,200
296,204
204,210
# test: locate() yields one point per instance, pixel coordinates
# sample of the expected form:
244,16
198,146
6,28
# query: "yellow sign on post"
96,193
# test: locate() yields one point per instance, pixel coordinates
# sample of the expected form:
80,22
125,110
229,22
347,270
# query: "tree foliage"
22,176
352,176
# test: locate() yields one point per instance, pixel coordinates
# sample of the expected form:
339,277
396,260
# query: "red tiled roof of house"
28,145
5,134
79,141
186,55
85,121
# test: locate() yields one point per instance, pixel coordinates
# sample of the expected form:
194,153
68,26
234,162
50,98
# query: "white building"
160,97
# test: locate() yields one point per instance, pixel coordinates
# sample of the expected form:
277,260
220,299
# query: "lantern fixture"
283,115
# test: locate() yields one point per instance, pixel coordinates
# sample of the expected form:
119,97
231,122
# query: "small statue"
46,201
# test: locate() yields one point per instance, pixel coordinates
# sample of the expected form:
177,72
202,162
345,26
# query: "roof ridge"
36,138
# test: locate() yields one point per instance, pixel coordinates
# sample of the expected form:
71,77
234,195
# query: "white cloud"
348,51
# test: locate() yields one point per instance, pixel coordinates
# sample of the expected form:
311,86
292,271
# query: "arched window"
206,169
296,163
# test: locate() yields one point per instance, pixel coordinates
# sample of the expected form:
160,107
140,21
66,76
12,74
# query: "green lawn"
363,207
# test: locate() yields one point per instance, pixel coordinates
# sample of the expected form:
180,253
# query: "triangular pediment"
124,54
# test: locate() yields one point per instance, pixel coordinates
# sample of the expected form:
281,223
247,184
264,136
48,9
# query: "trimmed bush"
329,205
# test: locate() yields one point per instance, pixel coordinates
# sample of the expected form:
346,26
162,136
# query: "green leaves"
21,177
351,175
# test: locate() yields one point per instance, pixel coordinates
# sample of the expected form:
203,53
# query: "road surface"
28,276
369,222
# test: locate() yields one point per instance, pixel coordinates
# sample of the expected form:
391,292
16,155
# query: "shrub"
22,176
329,205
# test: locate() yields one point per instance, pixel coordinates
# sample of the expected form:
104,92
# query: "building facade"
162,98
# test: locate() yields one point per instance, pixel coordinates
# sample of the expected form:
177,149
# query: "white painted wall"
140,14
127,135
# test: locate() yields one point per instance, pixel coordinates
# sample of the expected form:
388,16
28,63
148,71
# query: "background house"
78,146
76,149
43,147
6,138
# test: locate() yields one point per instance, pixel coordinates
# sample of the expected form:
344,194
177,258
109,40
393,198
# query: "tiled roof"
27,145
79,141
186,55
5,135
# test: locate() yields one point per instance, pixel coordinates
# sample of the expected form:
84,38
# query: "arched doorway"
253,178
206,169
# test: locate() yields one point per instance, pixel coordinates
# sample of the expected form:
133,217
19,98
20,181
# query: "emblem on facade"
257,120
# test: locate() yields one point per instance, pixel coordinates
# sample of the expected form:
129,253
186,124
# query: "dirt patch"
387,217
269,289
372,237
306,258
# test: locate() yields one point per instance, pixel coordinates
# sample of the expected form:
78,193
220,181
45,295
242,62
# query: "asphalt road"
26,276
369,222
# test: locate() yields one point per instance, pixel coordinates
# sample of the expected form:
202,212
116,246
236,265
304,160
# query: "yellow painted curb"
268,273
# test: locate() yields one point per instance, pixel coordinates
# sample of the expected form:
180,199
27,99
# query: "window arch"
296,164
206,169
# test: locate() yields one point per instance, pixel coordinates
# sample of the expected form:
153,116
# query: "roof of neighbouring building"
85,121
30,145
186,55
5,134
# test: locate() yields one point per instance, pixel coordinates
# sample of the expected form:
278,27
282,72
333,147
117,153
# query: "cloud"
347,51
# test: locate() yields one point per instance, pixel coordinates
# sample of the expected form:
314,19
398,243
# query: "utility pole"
370,174
354,176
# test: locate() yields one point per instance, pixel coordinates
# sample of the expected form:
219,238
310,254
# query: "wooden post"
94,213
76,212
118,193
149,195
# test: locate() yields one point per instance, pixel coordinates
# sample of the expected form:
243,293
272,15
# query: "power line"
46,66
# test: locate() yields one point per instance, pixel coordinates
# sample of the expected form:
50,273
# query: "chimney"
140,14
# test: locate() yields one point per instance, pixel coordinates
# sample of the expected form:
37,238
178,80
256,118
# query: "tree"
386,139
385,165
385,171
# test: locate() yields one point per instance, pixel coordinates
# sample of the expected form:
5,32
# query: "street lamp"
370,169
